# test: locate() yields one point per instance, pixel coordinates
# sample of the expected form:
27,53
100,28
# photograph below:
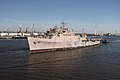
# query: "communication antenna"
20,27
33,27
83,30
116,32
27,30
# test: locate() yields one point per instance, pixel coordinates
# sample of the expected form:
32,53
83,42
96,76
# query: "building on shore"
5,34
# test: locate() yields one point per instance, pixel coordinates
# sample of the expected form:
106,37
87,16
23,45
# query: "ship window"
64,31
34,42
47,31
38,42
58,35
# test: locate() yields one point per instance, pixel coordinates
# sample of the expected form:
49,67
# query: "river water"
100,62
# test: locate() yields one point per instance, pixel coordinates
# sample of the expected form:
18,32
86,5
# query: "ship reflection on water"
101,62
54,65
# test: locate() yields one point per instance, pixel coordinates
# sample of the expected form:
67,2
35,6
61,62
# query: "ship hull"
58,49
38,45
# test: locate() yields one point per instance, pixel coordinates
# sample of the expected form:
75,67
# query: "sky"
100,15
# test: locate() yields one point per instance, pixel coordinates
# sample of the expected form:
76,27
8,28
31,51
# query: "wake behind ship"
61,38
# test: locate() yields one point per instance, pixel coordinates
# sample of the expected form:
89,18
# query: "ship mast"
63,24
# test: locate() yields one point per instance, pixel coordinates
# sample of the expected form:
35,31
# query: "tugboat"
104,41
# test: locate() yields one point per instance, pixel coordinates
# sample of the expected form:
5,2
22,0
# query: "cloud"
19,21
51,22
